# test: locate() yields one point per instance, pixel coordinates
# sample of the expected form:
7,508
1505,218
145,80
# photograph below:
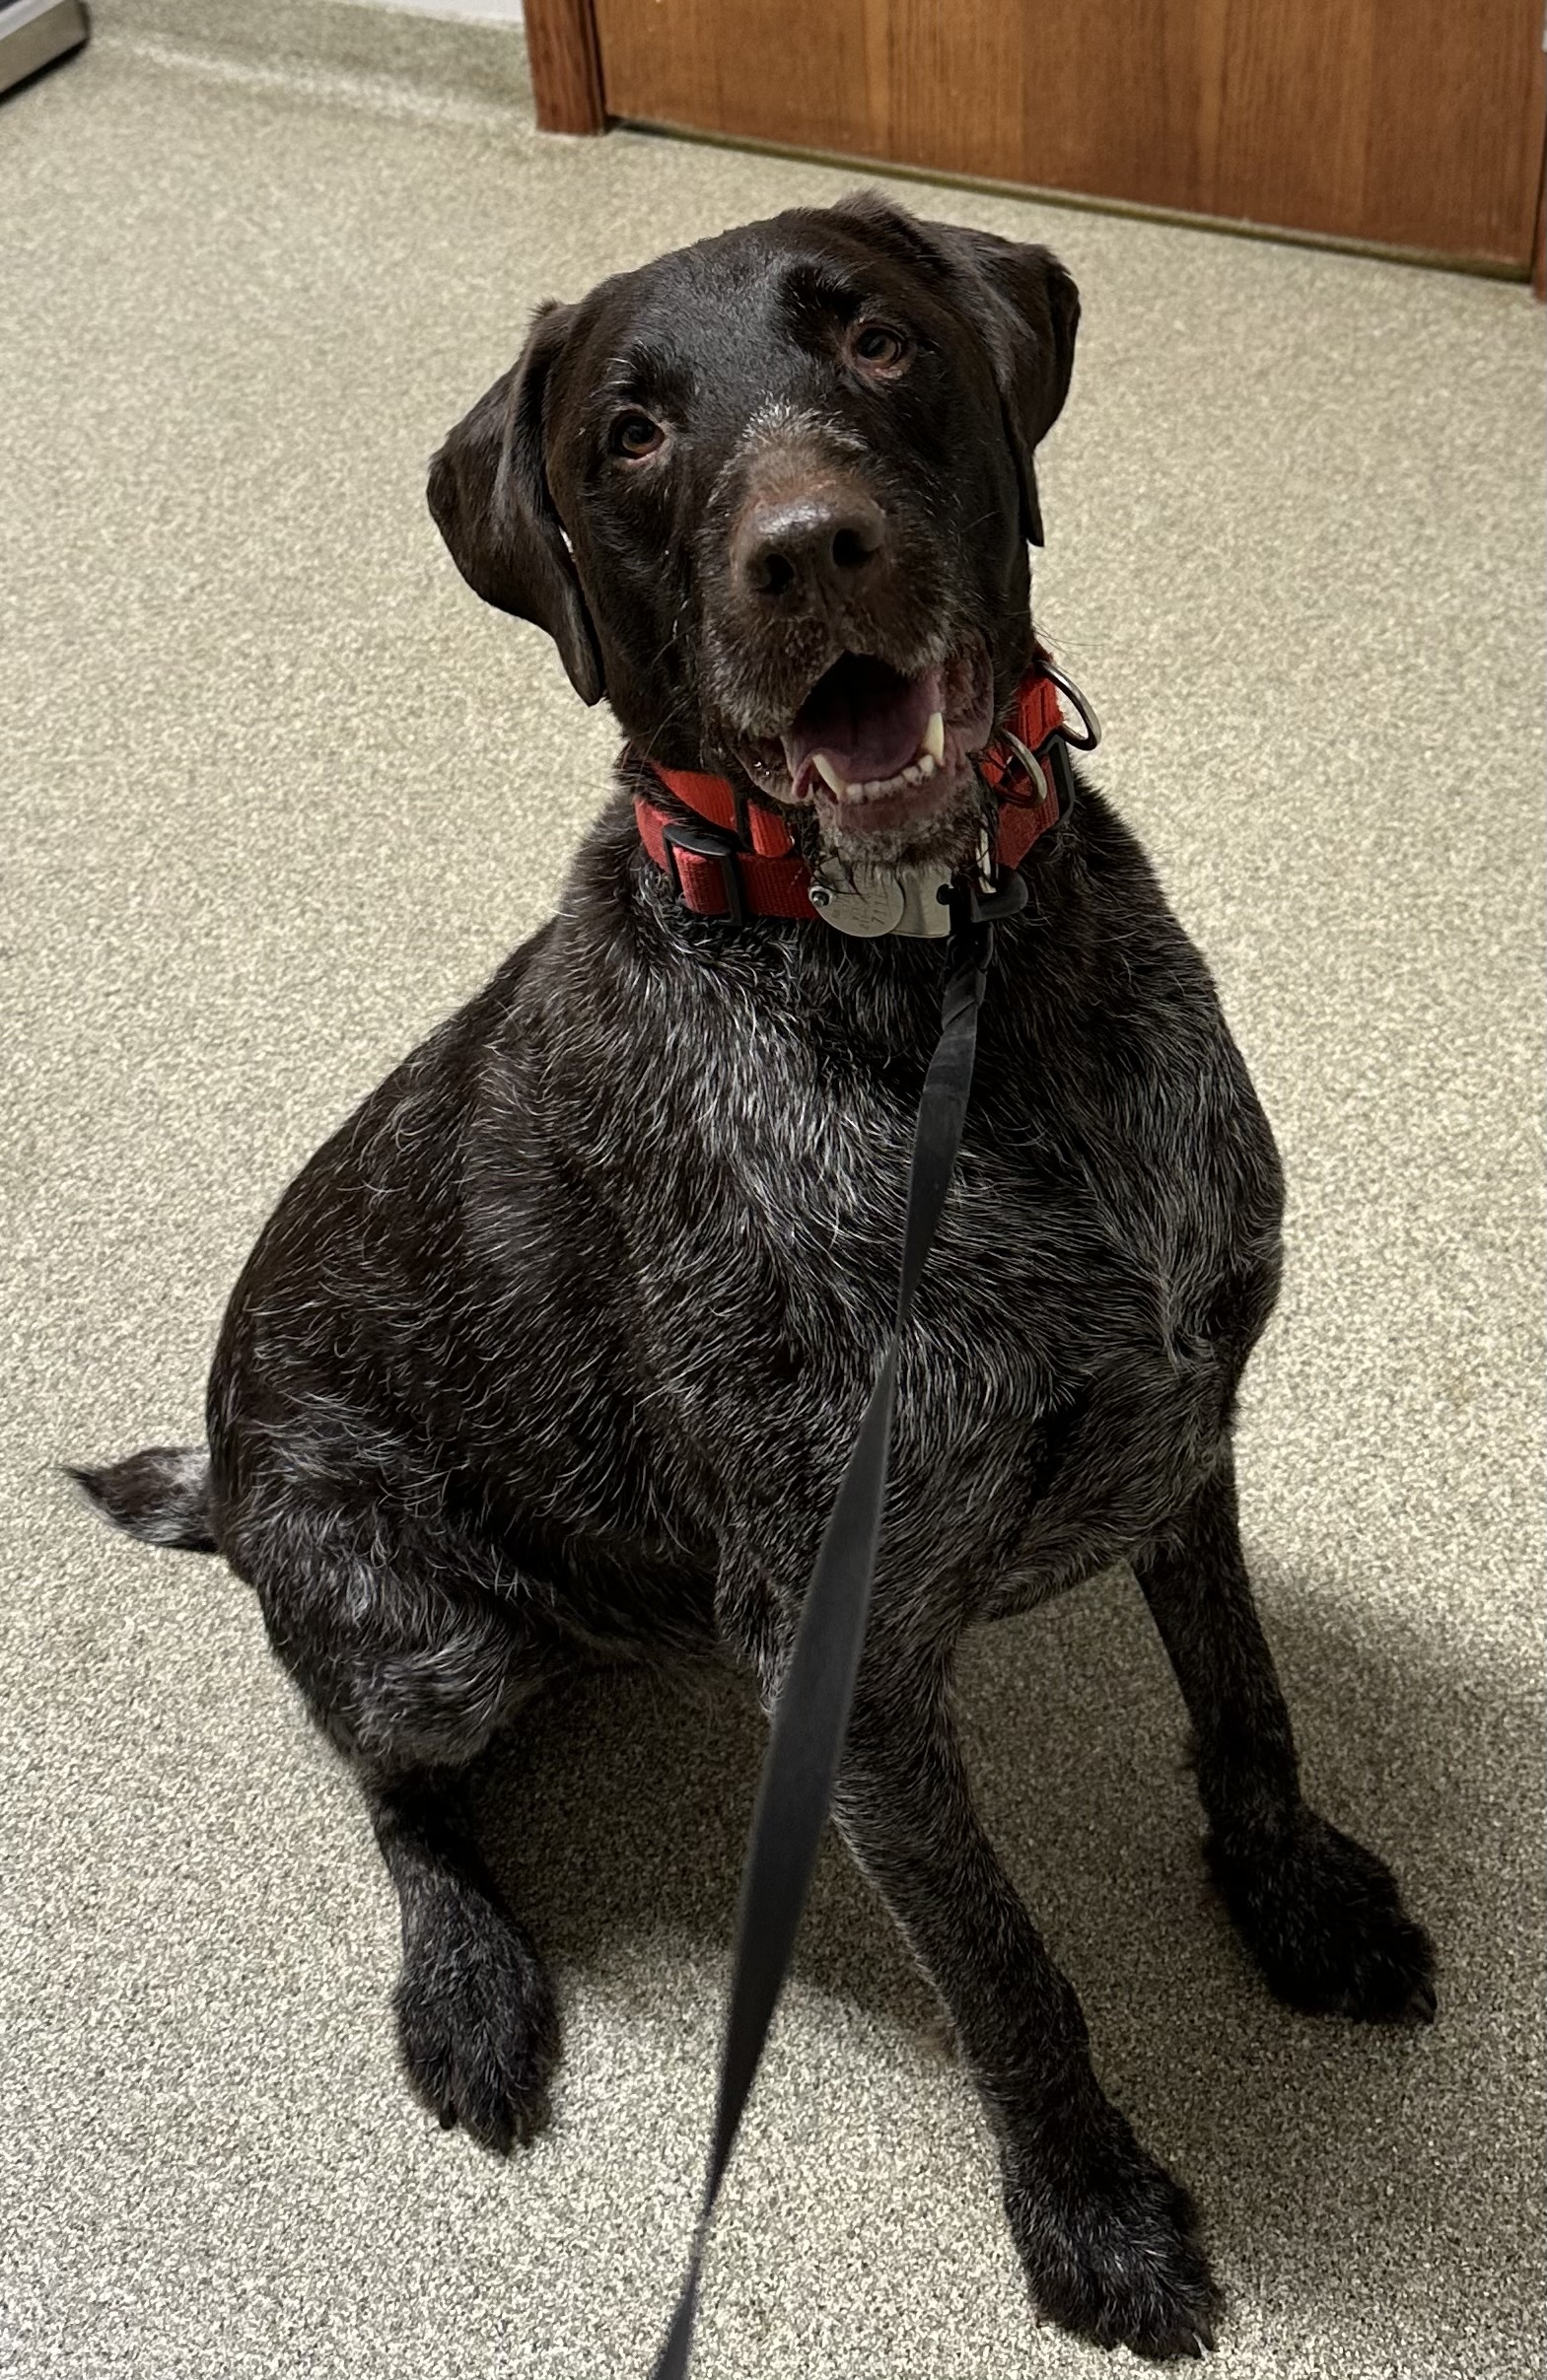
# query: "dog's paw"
1324,1920
1109,2243
476,2022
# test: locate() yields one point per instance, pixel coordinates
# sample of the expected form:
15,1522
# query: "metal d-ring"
1028,761
1089,719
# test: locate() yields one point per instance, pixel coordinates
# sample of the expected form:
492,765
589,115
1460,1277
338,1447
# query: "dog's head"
772,495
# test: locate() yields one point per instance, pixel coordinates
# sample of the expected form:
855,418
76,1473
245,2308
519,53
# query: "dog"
555,1351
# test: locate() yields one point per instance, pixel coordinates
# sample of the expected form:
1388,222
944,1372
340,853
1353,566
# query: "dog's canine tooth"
935,736
830,776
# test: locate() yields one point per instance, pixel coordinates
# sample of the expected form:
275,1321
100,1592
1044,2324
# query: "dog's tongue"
866,718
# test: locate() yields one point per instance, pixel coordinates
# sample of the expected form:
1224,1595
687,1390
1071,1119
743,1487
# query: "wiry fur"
558,1347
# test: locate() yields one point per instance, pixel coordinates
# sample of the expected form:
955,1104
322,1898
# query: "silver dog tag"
866,901
871,901
926,895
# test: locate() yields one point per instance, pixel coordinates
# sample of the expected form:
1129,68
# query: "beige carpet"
277,793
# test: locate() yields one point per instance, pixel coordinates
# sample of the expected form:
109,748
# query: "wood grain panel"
1415,123
1410,122
566,72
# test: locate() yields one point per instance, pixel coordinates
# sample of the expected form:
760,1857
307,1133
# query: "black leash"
810,1720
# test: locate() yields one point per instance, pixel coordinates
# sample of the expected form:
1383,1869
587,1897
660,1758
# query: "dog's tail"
161,1494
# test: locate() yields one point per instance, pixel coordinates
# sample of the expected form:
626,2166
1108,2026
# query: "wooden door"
1415,124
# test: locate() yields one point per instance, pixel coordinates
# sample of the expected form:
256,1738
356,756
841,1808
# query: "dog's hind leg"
1321,1915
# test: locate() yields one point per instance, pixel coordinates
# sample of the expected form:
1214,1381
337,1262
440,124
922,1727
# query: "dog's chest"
1067,1309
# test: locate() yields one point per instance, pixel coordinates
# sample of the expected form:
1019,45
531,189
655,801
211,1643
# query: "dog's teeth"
874,789
926,761
830,776
935,736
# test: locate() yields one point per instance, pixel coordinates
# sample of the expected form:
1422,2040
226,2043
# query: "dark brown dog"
558,1349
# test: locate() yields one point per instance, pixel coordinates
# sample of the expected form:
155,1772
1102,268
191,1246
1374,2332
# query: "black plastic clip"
706,843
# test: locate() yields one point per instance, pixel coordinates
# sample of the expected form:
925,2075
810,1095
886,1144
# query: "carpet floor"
278,793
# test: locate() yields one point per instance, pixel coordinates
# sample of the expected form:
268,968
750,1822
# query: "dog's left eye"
634,436
878,348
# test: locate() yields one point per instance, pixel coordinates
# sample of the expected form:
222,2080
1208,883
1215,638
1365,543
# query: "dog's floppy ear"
1029,310
491,497
1025,308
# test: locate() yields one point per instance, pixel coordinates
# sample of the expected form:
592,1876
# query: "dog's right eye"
880,351
633,435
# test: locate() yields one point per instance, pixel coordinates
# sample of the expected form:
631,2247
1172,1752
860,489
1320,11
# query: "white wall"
505,11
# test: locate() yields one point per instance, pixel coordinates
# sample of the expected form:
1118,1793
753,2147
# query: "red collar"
737,855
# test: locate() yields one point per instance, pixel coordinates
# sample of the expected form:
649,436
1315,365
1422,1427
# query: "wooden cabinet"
1414,124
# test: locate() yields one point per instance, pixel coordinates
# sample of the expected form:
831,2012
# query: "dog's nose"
792,549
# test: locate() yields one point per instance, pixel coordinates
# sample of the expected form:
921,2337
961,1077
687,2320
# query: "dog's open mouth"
874,748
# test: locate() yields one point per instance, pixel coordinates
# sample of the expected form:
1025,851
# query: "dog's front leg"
1106,2236
1321,1915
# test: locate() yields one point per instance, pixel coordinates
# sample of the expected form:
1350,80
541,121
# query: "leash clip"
973,903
